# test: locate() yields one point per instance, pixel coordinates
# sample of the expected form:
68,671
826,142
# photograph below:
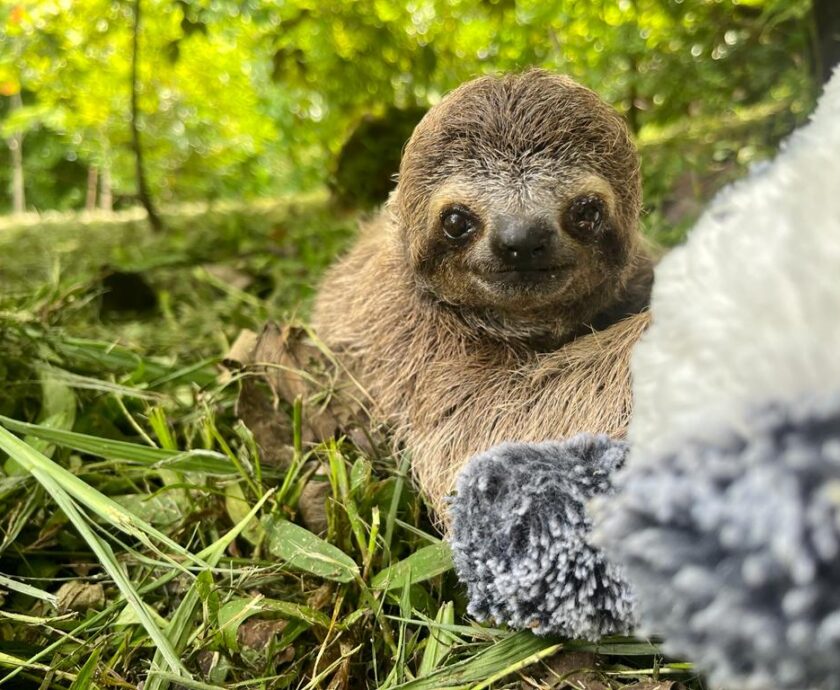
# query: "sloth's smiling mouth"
528,276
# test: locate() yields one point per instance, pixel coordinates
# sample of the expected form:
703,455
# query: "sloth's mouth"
527,276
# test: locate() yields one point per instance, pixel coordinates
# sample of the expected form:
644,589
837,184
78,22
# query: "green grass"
142,536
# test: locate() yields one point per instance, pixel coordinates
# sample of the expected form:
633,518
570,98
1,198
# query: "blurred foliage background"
247,99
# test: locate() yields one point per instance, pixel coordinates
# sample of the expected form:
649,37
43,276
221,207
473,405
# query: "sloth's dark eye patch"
457,222
585,215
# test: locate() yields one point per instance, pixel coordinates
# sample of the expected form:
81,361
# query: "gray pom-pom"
520,538
733,548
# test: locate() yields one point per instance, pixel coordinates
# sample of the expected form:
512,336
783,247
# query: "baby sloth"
498,294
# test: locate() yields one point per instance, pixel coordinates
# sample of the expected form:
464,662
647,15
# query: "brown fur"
457,363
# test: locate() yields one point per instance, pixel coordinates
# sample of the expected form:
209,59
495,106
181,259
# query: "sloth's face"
521,196
522,245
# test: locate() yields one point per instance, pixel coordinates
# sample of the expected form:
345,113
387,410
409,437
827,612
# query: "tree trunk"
142,187
106,196
93,178
633,97
16,148
633,74
827,39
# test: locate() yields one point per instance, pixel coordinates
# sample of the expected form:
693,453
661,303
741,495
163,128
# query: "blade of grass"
479,633
338,474
116,358
235,461
402,642
517,666
28,590
22,517
157,420
200,371
297,458
628,646
316,681
84,680
247,437
391,518
203,461
495,661
90,383
439,642
34,620
21,664
676,669
183,682
371,547
416,531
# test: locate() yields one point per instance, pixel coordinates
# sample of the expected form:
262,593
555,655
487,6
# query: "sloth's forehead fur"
518,191
500,173
519,134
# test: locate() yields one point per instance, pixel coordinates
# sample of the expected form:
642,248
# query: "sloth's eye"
457,223
585,214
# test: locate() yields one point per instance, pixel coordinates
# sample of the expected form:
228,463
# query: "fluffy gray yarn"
520,538
733,548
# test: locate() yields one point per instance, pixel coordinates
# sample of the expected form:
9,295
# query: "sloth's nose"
524,243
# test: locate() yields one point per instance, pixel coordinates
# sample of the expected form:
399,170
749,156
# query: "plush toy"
721,532
520,537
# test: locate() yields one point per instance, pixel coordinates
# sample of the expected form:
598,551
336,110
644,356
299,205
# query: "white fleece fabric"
749,308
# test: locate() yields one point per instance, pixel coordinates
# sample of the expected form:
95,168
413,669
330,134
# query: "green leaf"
359,476
58,407
302,550
58,411
237,508
128,616
161,509
423,564
234,613
205,587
